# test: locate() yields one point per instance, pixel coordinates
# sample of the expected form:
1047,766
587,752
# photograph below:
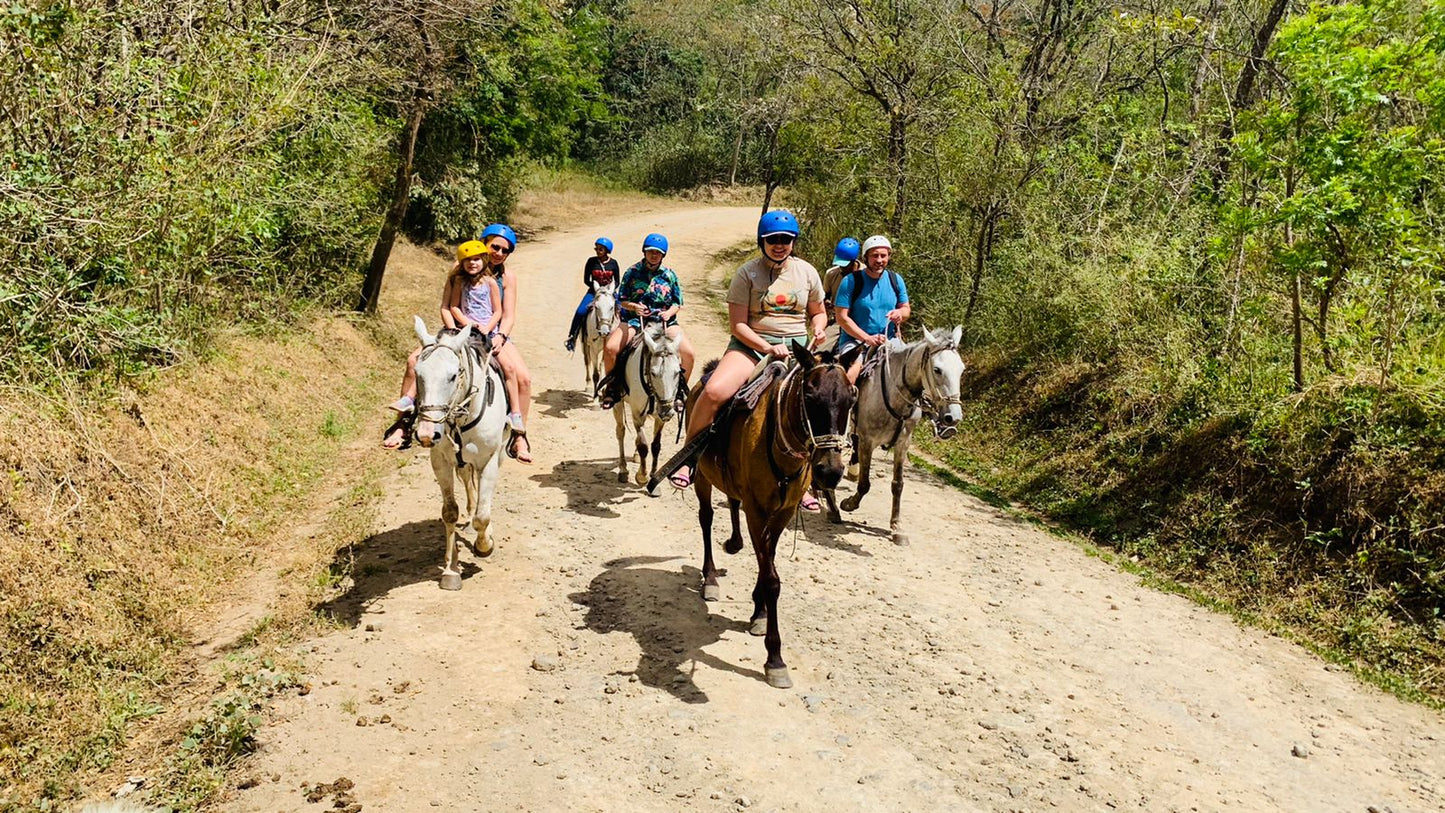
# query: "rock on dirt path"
989,666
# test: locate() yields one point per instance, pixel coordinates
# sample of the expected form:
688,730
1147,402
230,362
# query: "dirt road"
988,666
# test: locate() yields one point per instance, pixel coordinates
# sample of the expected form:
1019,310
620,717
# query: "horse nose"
949,419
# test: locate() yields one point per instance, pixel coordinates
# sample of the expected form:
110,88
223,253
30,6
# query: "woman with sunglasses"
501,241
774,300
598,272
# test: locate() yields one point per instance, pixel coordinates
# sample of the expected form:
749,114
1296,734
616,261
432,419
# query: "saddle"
747,398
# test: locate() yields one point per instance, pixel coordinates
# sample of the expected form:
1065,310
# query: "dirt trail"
988,666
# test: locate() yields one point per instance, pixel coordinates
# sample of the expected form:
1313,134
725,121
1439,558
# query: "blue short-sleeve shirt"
868,306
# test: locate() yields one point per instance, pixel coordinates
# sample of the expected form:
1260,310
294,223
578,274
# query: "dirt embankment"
988,666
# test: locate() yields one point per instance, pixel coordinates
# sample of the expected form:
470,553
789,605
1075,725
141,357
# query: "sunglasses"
778,239
501,249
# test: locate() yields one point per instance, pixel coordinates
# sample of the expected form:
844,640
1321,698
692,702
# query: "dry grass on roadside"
129,522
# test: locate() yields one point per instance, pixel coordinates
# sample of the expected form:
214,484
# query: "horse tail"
707,370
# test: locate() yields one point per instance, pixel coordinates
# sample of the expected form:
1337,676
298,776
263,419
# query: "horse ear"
463,336
422,333
649,339
851,355
957,334
802,354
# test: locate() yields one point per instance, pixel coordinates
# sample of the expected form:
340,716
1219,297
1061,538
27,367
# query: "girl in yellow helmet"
470,297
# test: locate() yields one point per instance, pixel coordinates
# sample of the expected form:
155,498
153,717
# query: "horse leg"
735,541
482,519
617,413
830,496
469,483
900,456
710,589
441,466
865,476
640,439
657,427
765,535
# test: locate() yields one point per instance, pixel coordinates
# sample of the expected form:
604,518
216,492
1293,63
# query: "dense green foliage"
1196,248
163,173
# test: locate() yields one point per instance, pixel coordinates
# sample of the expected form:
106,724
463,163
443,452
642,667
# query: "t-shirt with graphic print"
777,301
658,291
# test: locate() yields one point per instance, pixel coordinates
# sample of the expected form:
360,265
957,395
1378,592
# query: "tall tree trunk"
1244,88
737,154
898,164
982,254
401,195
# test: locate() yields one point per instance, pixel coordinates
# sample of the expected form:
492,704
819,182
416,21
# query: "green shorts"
735,344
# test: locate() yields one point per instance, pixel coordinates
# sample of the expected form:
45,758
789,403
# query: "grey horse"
909,379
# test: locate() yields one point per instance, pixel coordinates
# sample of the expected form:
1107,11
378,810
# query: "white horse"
908,379
461,415
601,319
652,372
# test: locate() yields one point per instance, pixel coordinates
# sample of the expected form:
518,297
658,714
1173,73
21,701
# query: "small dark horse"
763,459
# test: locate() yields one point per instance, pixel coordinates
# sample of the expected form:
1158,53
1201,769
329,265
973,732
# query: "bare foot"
394,438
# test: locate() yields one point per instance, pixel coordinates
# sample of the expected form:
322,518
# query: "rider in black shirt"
600,270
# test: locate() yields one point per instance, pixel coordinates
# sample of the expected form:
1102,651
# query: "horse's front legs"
865,476
657,426
617,413
900,456
441,466
640,441
482,519
765,533
703,489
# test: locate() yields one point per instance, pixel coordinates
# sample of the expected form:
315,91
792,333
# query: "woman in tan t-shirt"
774,300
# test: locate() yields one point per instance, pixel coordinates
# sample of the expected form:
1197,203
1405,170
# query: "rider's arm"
449,299
509,304
818,317
843,302
495,292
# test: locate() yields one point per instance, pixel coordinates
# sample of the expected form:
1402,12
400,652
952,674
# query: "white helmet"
876,241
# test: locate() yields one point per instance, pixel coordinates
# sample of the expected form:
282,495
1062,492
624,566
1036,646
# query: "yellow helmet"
470,249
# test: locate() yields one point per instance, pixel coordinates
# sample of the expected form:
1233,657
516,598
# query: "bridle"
814,442
459,407
927,395
604,328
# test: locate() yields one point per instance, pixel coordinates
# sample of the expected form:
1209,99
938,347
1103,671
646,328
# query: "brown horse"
763,459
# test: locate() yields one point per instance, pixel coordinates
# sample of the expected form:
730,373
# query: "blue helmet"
604,242
500,229
846,252
778,221
656,241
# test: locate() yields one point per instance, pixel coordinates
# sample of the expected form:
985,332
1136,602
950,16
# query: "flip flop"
810,504
522,456
681,479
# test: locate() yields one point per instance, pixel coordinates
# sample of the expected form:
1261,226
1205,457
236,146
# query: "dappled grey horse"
601,319
653,373
909,380
461,415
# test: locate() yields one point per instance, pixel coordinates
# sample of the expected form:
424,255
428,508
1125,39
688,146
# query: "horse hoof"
451,581
778,677
835,517
900,539
852,472
850,504
484,547
622,477
759,627
640,478
733,545
711,592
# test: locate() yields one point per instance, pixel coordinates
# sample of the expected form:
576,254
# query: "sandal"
810,504
521,456
682,478
398,435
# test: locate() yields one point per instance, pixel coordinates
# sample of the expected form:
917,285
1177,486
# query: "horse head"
604,302
827,402
943,369
442,380
663,368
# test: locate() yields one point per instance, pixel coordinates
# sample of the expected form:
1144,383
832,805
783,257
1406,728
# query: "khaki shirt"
777,303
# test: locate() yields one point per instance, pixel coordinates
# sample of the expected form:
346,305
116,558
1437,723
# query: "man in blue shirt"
871,301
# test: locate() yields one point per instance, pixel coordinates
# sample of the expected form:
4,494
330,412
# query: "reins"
928,386
813,443
460,406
